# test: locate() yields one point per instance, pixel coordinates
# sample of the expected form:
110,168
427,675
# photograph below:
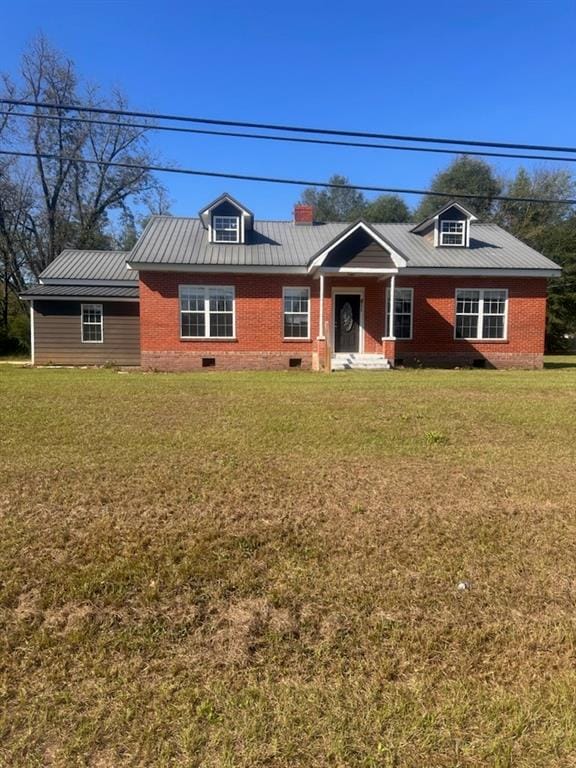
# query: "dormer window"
452,232
226,229
449,227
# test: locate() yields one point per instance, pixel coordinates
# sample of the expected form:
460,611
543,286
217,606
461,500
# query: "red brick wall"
259,339
433,332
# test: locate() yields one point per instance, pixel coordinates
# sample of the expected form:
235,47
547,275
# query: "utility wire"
287,128
299,140
276,180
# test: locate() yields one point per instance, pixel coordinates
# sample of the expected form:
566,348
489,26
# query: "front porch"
357,302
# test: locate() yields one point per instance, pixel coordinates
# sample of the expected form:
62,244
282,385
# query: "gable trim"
319,259
452,204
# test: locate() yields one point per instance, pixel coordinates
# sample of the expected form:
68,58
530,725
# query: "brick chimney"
303,214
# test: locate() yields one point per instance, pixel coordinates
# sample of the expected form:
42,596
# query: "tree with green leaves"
387,209
465,175
339,203
346,203
528,220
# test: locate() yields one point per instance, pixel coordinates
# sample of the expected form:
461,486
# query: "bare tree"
72,199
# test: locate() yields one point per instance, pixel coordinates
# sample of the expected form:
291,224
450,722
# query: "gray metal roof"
74,264
491,247
180,241
82,291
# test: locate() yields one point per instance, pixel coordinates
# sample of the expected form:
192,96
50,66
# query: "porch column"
32,339
389,341
321,311
392,302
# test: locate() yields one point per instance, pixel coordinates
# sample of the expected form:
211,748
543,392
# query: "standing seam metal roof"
75,264
183,241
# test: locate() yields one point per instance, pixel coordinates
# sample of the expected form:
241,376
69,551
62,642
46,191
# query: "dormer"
226,220
447,228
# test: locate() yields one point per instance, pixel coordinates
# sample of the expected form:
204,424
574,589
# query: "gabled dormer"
447,228
226,220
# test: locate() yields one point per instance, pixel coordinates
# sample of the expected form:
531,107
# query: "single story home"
225,290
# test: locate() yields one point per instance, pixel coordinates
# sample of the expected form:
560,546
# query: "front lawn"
240,570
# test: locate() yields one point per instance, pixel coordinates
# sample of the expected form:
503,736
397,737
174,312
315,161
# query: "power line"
276,180
294,139
288,128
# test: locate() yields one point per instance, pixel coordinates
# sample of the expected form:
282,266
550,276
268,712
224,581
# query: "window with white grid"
296,313
452,232
206,311
403,303
92,324
225,229
481,313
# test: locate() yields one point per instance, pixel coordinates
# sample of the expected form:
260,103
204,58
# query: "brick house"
228,291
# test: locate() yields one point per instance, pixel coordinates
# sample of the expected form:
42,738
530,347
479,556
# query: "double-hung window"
226,229
92,324
206,312
403,309
296,313
452,232
481,314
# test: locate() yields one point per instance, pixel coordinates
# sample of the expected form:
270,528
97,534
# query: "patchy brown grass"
261,569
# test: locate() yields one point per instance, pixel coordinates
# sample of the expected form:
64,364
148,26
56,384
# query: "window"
452,232
226,229
206,311
296,313
481,314
403,301
92,324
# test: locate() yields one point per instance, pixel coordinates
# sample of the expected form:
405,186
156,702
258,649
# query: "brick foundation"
505,360
225,361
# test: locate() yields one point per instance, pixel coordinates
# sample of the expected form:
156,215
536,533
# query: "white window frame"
206,290
235,229
397,290
100,324
284,313
462,223
481,314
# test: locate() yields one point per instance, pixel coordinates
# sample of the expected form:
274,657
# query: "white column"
392,301
321,311
32,351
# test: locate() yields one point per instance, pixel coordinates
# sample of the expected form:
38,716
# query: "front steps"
353,361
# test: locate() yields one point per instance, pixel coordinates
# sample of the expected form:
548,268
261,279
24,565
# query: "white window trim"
396,290
284,313
239,229
206,289
482,291
464,224
101,323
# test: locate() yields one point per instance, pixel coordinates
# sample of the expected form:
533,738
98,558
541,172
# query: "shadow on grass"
553,362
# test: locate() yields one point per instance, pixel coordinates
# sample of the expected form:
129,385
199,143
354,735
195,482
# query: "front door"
346,322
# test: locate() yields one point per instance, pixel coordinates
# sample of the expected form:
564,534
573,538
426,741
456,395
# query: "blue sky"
488,70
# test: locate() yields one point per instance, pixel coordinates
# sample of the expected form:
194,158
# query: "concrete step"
357,362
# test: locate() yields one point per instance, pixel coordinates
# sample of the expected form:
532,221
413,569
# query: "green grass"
234,570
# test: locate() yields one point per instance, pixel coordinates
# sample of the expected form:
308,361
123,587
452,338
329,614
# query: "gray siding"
359,251
58,337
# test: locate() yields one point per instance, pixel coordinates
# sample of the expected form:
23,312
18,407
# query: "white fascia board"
398,260
219,268
357,271
81,299
480,272
98,283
